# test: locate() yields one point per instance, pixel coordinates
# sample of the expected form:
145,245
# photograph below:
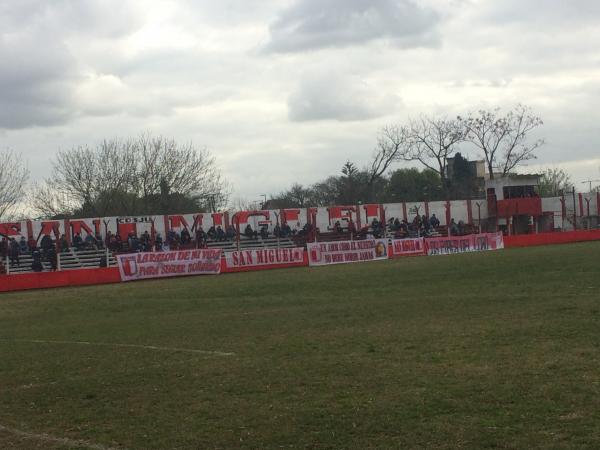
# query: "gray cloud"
559,13
40,72
314,24
34,83
77,71
336,96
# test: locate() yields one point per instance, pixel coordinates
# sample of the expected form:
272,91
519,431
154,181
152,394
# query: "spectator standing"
3,248
32,244
351,228
220,234
99,241
277,230
453,228
158,242
200,237
36,264
212,233
78,242
118,242
23,245
108,240
14,252
90,242
337,227
264,231
63,244
185,236
52,258
230,233
249,232
46,243
286,230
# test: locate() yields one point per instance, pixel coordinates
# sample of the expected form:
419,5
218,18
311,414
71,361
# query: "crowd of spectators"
14,250
47,249
175,240
420,226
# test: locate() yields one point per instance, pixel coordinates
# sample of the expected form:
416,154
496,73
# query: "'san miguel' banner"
139,266
464,244
264,257
408,247
324,253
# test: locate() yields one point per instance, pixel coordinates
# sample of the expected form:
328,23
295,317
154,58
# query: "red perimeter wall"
40,280
84,277
529,240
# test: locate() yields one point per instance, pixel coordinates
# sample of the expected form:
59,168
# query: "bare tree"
90,180
13,181
432,140
145,175
391,144
241,204
46,201
428,140
502,139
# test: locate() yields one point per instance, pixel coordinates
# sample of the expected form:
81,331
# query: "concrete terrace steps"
71,259
249,244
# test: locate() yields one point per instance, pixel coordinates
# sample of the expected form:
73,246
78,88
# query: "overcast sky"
288,90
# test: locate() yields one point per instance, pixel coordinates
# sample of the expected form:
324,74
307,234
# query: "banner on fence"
464,244
324,253
264,257
407,247
138,266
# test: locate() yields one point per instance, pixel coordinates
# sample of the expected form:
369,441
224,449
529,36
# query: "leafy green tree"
554,182
412,185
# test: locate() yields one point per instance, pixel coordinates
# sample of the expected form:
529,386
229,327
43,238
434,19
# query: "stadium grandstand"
512,206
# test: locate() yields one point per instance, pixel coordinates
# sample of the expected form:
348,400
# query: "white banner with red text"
138,266
264,257
408,247
341,252
464,244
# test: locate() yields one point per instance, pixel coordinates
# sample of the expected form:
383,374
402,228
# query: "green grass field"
495,350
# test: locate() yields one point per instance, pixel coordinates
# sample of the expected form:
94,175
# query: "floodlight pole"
590,183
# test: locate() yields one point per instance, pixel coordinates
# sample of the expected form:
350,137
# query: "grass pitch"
494,350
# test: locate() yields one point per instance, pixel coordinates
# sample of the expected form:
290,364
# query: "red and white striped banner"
137,266
264,257
408,247
464,244
341,252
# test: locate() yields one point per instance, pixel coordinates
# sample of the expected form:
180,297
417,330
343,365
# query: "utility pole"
590,183
574,211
